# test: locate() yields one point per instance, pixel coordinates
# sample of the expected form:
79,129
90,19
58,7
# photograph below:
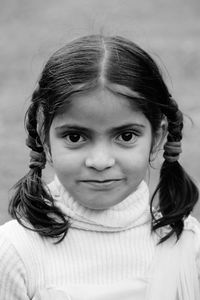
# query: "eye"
74,138
127,137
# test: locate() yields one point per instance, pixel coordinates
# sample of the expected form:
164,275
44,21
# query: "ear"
159,137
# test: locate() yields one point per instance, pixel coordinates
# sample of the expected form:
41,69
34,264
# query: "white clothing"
106,255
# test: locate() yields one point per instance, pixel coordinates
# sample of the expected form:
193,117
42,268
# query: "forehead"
99,107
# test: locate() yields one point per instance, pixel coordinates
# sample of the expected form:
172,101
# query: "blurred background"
31,30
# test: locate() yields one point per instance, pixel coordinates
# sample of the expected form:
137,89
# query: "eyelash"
75,134
133,134
84,137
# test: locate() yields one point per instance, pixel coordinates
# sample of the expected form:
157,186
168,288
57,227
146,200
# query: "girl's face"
100,147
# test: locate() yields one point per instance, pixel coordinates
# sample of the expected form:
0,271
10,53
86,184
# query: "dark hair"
81,65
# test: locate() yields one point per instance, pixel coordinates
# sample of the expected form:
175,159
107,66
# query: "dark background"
31,30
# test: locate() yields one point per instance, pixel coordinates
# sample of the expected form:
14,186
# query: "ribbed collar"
131,212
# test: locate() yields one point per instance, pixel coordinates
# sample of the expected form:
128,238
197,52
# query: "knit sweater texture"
105,255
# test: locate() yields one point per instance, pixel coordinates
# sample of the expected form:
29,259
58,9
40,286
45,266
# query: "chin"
105,203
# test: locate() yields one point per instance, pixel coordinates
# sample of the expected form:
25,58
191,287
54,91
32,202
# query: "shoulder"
11,231
9,227
6,245
193,225
20,241
14,270
15,233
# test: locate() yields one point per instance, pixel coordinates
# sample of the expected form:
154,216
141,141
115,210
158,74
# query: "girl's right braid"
37,154
32,201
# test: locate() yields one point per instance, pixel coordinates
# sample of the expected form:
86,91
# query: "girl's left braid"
172,147
37,154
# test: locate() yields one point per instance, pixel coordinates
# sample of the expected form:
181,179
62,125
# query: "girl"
98,116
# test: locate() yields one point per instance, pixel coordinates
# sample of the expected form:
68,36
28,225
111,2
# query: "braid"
175,121
177,192
38,157
31,125
31,201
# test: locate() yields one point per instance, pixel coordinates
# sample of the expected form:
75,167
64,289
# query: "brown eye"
127,136
74,138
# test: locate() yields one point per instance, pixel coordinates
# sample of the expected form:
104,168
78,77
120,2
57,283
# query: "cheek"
66,162
136,162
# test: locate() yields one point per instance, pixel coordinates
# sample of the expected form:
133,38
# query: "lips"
101,184
101,181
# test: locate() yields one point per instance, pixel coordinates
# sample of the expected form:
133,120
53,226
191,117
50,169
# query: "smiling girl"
99,114
100,148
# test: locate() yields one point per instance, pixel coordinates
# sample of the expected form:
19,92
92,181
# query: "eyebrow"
66,127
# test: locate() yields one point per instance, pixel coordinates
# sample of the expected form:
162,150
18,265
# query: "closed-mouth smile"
101,184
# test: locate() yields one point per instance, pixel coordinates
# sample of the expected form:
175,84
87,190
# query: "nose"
100,159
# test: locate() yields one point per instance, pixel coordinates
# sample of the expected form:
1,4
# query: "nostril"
100,164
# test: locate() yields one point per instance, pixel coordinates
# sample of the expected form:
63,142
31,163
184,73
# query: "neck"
131,212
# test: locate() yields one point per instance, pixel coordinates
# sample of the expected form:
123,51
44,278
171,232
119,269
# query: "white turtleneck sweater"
106,254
